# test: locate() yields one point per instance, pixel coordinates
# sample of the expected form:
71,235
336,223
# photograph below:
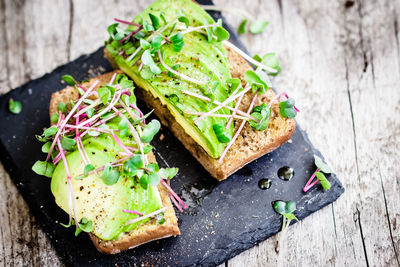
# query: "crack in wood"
362,236
70,29
388,216
3,23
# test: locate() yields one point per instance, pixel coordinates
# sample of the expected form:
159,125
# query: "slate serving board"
223,218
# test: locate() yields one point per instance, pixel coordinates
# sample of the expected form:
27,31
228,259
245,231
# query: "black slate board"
224,218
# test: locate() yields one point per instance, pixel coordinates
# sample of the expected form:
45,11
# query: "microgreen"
154,21
69,79
146,149
175,100
68,143
147,174
112,30
258,84
258,26
168,173
221,133
46,147
156,43
43,168
261,113
162,16
319,174
123,127
104,94
49,132
177,41
184,20
242,26
90,112
220,33
14,106
147,60
62,107
146,26
144,44
233,83
271,60
285,209
287,109
110,175
54,117
150,130
85,225
88,168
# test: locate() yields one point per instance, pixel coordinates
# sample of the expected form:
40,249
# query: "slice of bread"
146,232
250,144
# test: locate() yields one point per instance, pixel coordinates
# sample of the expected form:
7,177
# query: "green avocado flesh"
96,201
198,59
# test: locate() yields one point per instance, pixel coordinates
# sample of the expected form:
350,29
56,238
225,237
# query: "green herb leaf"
209,34
321,165
271,60
123,126
162,16
62,107
326,185
90,112
69,79
144,180
175,101
279,206
152,167
150,130
156,43
104,94
177,41
144,44
168,173
68,143
147,26
287,108
255,80
221,133
46,147
220,33
88,168
146,73
112,30
43,168
54,117
146,149
258,26
233,84
154,21
184,20
133,164
153,179
261,113
49,132
97,133
290,206
242,27
110,176
147,60
84,226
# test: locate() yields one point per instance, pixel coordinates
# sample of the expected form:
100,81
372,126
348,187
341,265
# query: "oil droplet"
264,184
286,173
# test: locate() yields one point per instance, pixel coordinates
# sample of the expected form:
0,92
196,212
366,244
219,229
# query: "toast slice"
250,144
146,232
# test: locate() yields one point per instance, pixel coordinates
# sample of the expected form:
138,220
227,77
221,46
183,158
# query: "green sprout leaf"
209,35
146,149
154,21
321,165
149,131
97,133
133,164
110,176
283,207
177,41
49,132
46,147
257,83
69,79
162,16
146,73
326,185
242,26
84,226
112,30
147,26
184,20
287,108
90,112
221,133
123,127
175,101
88,168
62,107
220,33
54,117
68,144
168,173
156,43
144,44
258,26
14,106
147,60
104,94
271,60
43,168
233,84
261,113
153,178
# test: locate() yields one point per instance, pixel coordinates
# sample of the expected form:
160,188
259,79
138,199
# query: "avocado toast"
103,173
201,86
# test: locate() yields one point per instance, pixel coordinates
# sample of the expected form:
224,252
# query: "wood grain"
341,62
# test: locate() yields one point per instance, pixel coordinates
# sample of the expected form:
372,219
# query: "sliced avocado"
97,201
198,59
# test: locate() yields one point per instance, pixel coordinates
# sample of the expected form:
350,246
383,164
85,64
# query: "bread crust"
146,232
249,146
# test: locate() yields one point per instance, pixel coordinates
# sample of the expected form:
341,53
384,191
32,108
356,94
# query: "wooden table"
340,62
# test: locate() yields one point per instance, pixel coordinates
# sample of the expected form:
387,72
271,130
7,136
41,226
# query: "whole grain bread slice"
250,144
146,232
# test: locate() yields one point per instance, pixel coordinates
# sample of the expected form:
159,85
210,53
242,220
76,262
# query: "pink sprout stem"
139,111
309,184
133,212
121,144
132,33
237,132
127,22
69,116
113,78
175,202
234,111
174,194
295,108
